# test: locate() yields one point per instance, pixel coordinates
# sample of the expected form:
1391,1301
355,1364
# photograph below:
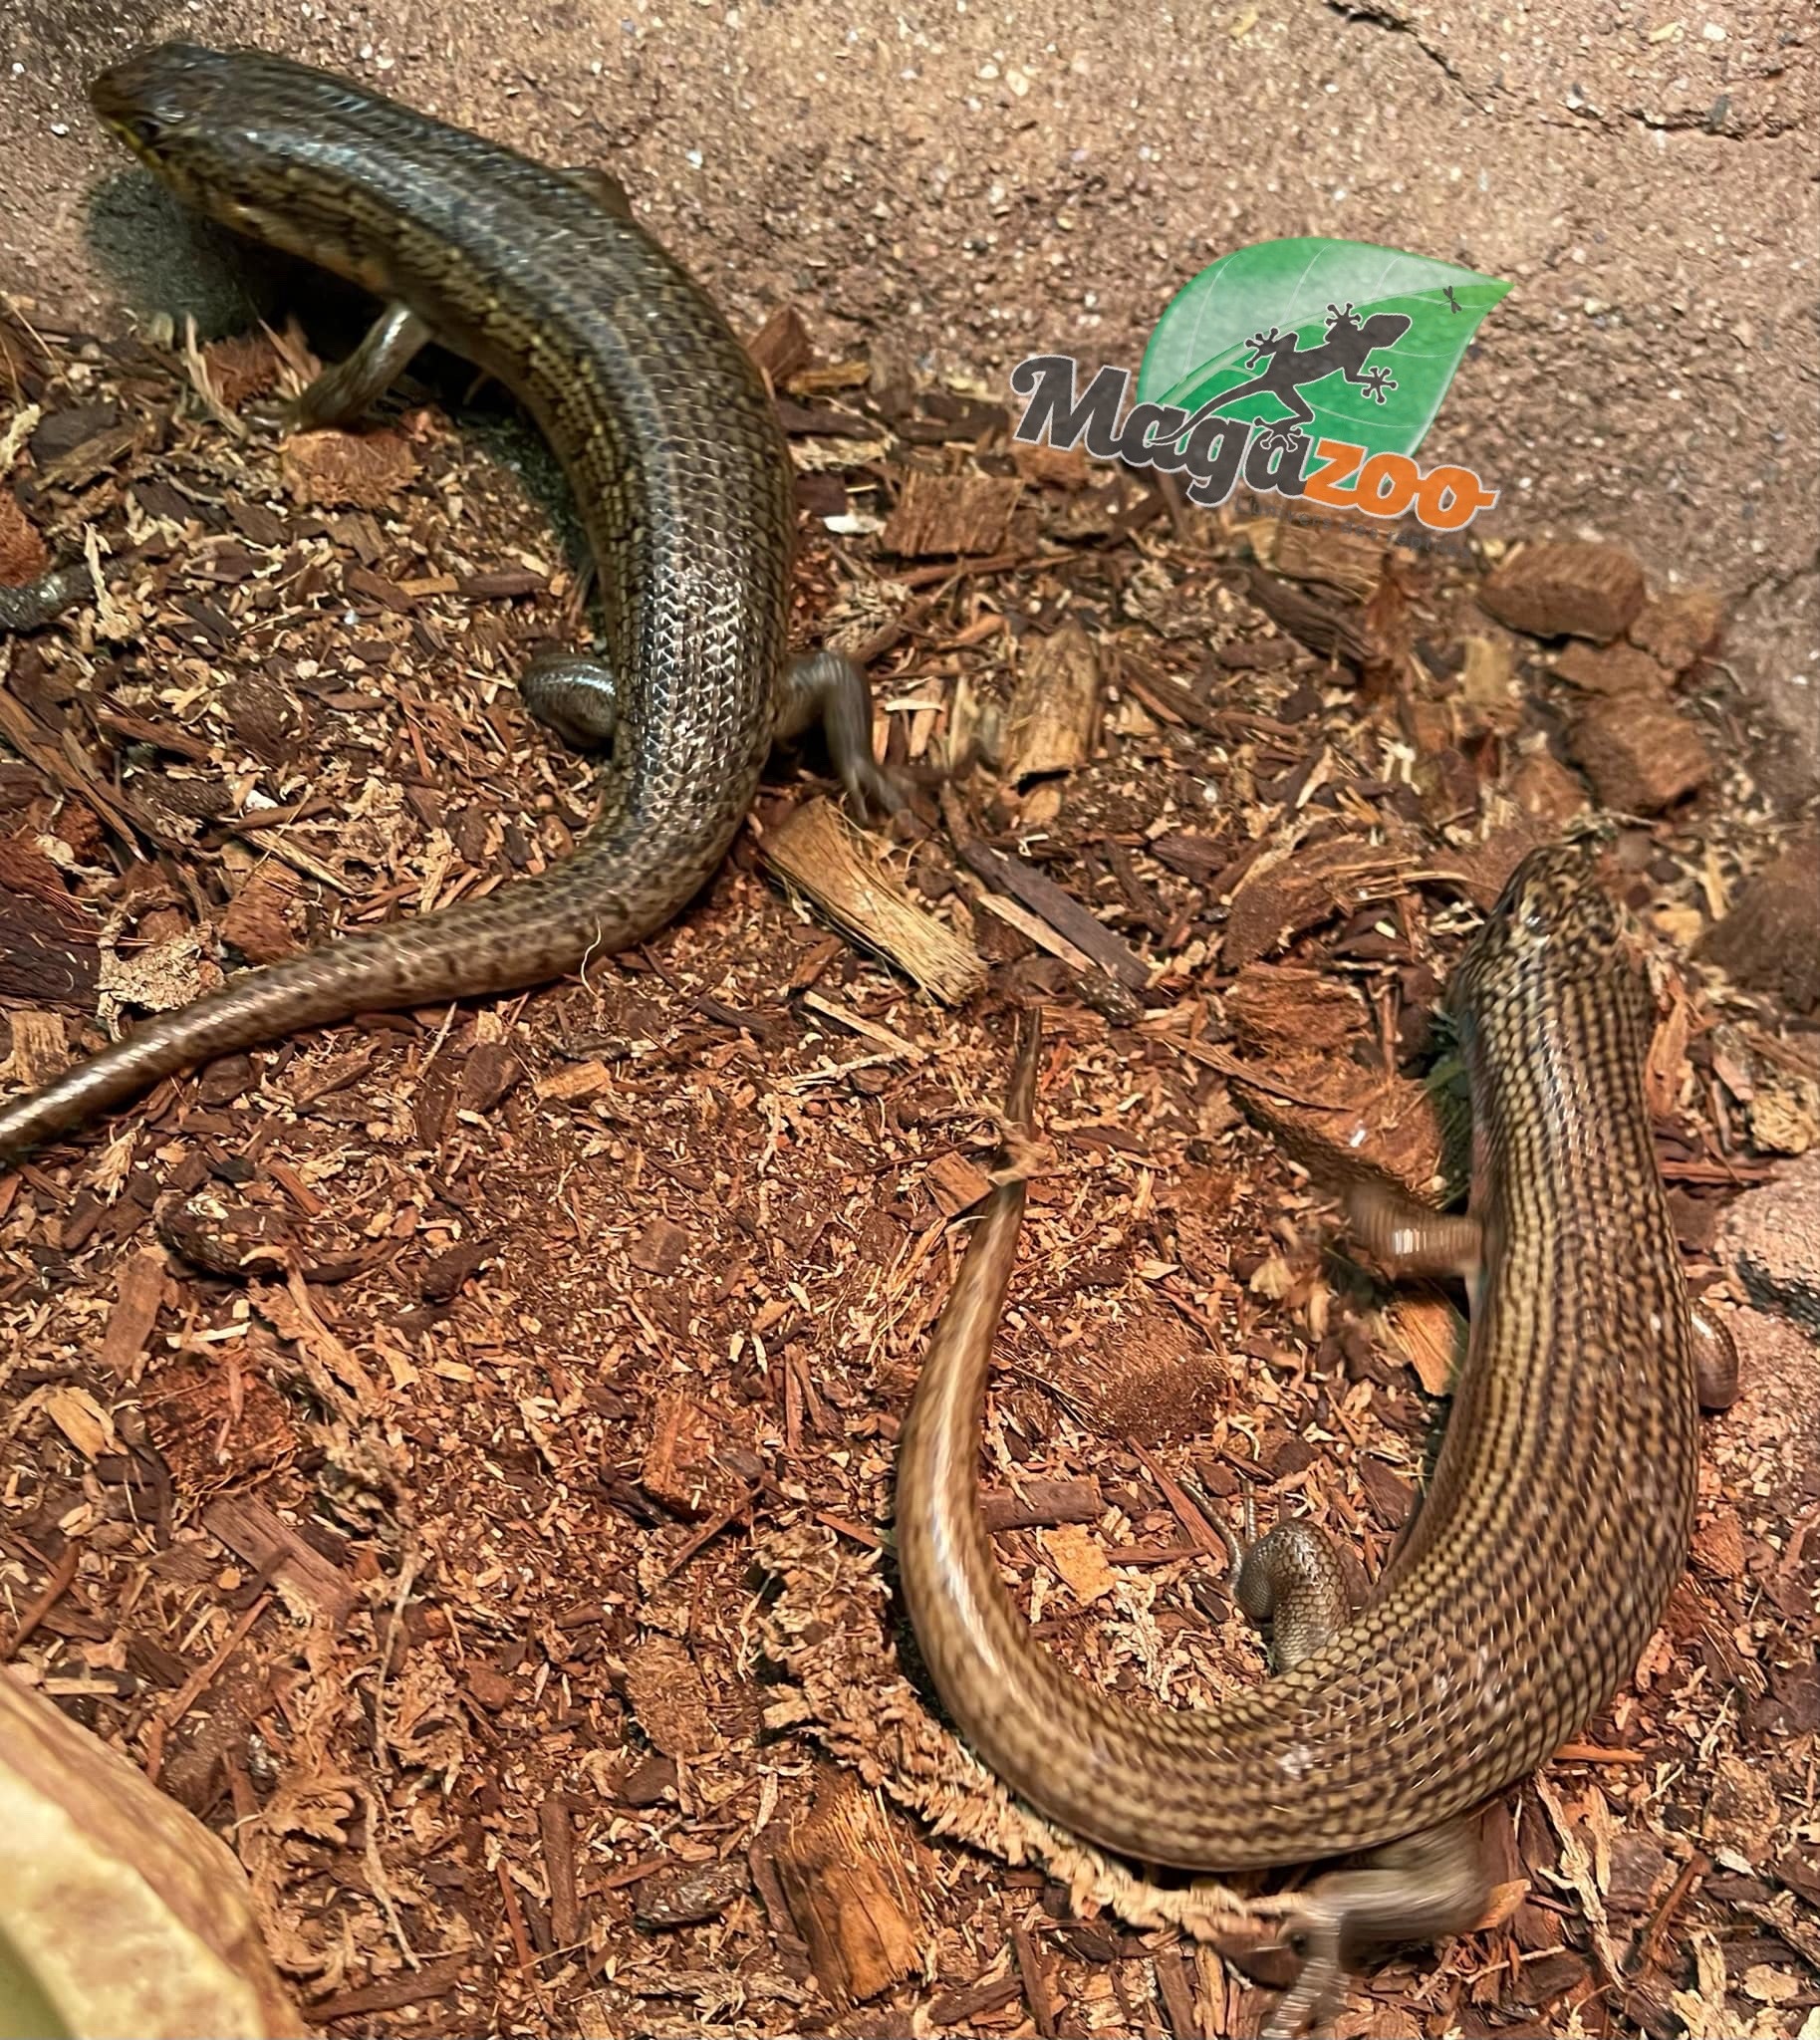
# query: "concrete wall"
965,180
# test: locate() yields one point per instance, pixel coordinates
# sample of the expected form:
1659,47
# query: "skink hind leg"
827,687
1421,1888
577,697
352,387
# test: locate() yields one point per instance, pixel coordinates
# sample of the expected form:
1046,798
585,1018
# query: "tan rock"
1771,1238
125,1915
1545,789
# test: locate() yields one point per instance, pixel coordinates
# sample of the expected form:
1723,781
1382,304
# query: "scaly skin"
678,465
1545,1549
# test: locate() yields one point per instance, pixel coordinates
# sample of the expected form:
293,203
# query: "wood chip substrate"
452,1453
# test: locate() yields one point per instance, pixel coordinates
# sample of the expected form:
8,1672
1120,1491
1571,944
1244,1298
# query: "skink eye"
141,131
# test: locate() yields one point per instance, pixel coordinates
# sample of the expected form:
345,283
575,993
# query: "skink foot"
827,687
1315,1997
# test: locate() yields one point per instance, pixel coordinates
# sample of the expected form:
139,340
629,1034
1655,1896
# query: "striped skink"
679,467
1539,1561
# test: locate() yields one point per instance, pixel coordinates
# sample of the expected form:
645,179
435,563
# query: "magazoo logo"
1306,368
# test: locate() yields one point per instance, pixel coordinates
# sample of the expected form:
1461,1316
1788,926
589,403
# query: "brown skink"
678,465
1540,1558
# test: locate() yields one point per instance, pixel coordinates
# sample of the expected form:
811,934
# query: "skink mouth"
136,131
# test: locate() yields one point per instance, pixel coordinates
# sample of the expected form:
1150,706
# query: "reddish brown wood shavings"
453,1449
22,551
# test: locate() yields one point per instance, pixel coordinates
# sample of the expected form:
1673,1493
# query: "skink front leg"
1411,1239
352,387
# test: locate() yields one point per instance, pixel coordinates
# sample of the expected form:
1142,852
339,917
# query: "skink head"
161,101
262,144
1553,919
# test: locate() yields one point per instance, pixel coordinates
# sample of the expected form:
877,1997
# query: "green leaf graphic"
1202,348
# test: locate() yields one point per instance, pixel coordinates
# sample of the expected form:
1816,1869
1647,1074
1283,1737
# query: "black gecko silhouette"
1293,368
